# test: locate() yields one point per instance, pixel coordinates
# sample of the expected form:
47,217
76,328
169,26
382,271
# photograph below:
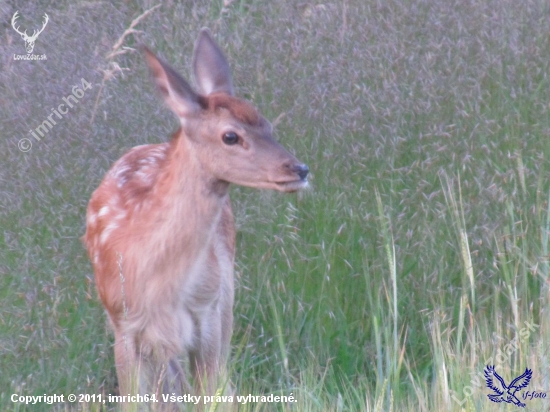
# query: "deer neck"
192,200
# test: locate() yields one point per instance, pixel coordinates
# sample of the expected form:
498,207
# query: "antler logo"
29,40
503,392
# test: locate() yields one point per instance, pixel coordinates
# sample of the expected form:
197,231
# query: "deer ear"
210,66
177,93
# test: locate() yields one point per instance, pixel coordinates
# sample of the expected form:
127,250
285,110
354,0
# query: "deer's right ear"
177,93
210,66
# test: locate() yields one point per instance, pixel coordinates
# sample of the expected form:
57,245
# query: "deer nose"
302,170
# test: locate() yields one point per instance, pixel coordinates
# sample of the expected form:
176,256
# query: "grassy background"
419,253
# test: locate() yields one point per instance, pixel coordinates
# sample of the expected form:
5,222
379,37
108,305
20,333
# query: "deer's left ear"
210,66
177,93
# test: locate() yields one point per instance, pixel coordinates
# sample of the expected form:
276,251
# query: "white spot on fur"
120,173
103,211
144,175
107,232
120,216
92,218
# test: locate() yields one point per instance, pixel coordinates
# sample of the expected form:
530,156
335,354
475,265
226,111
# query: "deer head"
233,142
29,40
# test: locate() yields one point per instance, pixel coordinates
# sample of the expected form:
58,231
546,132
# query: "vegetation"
416,258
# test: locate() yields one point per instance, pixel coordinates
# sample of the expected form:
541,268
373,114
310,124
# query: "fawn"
160,230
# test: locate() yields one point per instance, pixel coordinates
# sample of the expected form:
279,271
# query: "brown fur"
240,109
161,236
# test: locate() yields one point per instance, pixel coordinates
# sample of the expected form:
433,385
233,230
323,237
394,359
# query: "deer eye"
230,138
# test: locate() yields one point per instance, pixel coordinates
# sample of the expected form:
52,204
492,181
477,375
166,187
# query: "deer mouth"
292,186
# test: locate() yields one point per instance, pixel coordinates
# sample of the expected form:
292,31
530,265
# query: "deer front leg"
204,358
126,361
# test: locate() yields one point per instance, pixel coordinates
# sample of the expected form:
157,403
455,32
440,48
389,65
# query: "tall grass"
418,255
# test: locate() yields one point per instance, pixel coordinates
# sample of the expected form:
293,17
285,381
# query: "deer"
160,230
29,40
